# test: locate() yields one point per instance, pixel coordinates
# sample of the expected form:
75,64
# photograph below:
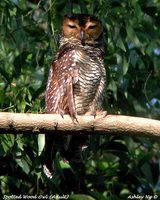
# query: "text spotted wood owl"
76,79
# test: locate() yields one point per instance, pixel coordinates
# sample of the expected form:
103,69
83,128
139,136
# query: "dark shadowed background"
115,167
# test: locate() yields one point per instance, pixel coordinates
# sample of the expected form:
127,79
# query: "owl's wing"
64,74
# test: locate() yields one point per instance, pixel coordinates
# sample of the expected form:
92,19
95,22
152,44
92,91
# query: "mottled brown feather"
76,82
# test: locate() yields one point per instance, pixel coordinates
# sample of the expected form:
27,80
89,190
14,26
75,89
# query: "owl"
76,83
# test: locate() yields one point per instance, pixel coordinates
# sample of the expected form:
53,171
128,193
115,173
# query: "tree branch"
52,123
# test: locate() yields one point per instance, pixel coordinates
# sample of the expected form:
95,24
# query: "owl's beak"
82,37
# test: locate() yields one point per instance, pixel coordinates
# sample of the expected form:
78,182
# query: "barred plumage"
77,76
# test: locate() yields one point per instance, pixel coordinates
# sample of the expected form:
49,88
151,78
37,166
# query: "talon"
74,119
77,120
62,114
94,114
101,114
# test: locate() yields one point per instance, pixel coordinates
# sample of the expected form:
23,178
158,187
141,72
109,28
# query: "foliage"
114,166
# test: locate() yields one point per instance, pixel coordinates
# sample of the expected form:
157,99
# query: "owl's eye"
92,26
71,26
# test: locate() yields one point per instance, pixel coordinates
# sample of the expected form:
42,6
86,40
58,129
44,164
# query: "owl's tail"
69,147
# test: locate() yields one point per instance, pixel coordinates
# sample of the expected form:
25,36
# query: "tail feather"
69,147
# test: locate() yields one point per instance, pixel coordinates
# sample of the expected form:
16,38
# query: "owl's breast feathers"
74,79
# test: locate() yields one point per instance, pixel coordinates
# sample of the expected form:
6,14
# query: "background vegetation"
114,166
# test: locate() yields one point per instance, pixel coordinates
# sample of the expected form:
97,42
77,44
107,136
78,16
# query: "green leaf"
125,65
102,165
23,164
64,165
98,195
120,44
20,145
7,142
2,84
23,105
132,36
146,170
41,143
112,86
80,197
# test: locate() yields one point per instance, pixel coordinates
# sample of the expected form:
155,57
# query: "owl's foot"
74,119
61,112
99,114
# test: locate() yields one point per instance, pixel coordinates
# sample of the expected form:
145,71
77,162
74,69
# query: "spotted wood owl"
76,82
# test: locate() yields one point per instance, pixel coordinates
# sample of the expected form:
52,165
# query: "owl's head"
85,28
